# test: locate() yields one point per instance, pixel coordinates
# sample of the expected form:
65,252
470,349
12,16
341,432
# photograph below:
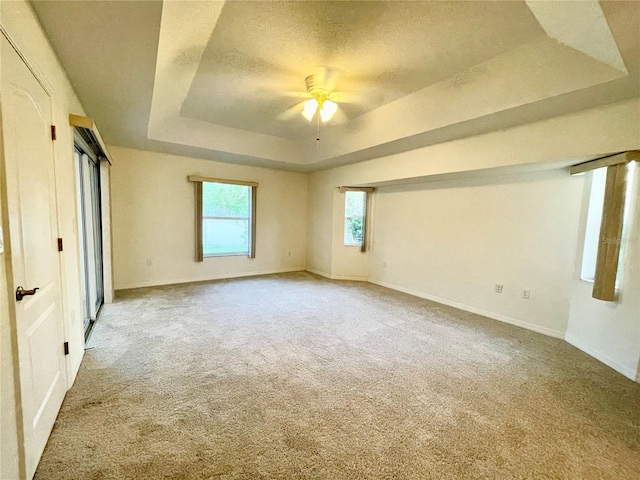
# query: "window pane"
223,200
355,204
226,218
220,236
594,218
628,215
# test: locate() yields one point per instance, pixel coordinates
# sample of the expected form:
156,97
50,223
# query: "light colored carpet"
296,377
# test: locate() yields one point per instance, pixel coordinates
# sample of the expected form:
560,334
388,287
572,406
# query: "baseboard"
356,278
205,278
319,272
630,373
495,316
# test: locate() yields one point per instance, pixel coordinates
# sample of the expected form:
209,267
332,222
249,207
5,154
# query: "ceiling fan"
322,103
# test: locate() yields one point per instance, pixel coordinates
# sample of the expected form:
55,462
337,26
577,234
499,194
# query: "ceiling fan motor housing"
318,90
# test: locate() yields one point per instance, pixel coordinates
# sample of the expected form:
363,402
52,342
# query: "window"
355,217
225,217
594,219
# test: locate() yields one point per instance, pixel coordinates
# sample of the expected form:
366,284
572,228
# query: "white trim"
157,283
355,278
494,316
30,65
604,358
321,273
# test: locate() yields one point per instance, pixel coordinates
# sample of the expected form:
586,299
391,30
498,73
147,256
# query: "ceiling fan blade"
327,77
349,97
292,112
295,94
339,118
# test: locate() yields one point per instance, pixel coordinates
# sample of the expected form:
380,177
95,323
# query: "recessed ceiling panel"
259,54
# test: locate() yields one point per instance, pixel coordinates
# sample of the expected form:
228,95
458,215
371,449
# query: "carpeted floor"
296,377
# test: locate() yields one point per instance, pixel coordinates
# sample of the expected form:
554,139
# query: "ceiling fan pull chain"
318,133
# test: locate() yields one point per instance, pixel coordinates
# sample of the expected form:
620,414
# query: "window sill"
352,245
586,280
216,255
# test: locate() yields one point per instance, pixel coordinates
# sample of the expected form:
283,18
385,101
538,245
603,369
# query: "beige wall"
154,219
610,331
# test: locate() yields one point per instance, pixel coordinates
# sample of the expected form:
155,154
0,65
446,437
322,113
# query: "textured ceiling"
259,54
210,79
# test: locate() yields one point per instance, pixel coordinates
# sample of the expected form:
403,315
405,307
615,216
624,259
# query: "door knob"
21,292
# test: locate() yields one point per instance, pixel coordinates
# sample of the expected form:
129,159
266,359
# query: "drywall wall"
21,25
453,241
320,220
602,130
153,213
530,147
610,331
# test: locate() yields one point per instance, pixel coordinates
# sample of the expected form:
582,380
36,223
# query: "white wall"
320,221
153,213
610,331
453,241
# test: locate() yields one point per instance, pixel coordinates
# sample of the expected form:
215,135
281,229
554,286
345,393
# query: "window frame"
365,216
199,217
606,280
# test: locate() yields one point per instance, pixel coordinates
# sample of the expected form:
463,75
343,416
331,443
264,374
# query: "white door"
26,120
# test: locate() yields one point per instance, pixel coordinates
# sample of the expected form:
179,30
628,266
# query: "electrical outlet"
526,294
384,264
499,288
149,262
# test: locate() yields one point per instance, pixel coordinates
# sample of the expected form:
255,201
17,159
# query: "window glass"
226,219
594,218
354,217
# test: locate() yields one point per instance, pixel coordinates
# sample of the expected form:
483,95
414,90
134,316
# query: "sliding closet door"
90,235
96,233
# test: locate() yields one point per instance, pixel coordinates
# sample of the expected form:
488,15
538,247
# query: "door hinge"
59,244
66,348
53,133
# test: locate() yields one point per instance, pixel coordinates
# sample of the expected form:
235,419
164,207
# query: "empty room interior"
320,239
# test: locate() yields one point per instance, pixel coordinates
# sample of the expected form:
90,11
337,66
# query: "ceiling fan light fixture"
328,110
310,109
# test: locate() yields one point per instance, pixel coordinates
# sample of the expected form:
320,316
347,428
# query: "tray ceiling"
210,79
